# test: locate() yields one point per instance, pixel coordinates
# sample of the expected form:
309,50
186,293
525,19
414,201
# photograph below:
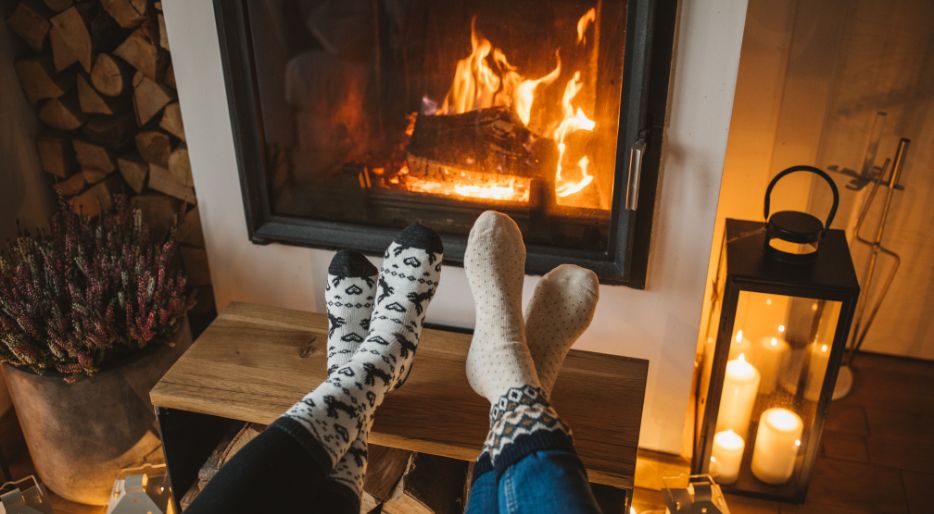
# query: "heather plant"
85,293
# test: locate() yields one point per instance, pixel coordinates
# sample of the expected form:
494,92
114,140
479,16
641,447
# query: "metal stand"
867,308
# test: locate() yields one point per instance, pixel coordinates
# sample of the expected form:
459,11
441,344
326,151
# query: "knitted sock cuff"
522,422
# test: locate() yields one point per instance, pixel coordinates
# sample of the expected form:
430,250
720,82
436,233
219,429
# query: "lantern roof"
750,263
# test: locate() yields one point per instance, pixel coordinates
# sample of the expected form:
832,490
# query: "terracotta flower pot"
81,435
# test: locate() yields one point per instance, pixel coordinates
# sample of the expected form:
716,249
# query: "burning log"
491,140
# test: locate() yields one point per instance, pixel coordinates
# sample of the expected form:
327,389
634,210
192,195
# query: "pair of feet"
375,320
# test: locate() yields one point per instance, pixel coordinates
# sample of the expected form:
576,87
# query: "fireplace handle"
636,151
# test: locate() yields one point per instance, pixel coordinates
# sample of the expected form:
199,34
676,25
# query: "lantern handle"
811,169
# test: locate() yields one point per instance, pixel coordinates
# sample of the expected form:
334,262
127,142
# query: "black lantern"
784,296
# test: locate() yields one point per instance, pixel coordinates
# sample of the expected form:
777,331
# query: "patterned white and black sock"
350,294
499,364
560,310
329,418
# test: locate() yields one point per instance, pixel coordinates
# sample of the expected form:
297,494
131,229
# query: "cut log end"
134,171
141,52
70,40
89,100
127,13
27,23
55,155
171,121
61,113
109,76
154,147
38,80
148,98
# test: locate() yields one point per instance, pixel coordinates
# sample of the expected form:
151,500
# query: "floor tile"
841,484
745,505
839,445
918,489
911,454
916,423
850,419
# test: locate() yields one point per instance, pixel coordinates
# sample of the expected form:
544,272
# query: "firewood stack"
100,76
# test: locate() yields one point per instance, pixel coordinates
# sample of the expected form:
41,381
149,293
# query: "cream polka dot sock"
499,365
494,262
561,308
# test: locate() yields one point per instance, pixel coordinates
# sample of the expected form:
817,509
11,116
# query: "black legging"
274,474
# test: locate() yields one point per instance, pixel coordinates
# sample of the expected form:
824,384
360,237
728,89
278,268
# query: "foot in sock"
349,294
561,308
499,364
343,405
494,262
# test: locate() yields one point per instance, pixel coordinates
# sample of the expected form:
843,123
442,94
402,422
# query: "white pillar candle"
726,457
776,448
818,360
769,358
740,386
740,345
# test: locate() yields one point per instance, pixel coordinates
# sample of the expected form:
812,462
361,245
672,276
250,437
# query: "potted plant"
92,314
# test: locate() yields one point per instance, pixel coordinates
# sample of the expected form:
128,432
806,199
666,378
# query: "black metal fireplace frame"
647,61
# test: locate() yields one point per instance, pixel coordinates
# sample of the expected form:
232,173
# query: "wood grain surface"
255,361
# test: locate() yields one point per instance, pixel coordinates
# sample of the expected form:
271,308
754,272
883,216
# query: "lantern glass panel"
779,352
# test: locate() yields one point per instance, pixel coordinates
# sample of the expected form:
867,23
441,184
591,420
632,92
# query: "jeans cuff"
303,437
483,465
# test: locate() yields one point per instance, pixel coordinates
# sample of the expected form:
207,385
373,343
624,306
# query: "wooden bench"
254,362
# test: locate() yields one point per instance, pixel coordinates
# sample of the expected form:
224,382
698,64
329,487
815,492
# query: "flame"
589,17
574,121
524,95
475,84
485,78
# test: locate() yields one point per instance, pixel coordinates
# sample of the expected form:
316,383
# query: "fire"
573,121
462,183
485,78
589,17
524,95
477,85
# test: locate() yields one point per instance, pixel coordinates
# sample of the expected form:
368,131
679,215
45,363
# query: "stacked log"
99,75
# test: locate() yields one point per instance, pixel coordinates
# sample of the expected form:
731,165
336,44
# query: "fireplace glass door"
358,117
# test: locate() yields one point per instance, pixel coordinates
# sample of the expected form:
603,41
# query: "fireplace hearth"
354,118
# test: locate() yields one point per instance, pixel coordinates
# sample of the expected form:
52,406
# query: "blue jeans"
546,481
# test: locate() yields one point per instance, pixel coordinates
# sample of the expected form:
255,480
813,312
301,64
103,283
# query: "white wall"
659,324
811,77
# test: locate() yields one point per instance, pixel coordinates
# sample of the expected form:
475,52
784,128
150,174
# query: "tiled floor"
877,451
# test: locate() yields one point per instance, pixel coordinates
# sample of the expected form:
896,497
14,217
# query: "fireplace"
356,118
